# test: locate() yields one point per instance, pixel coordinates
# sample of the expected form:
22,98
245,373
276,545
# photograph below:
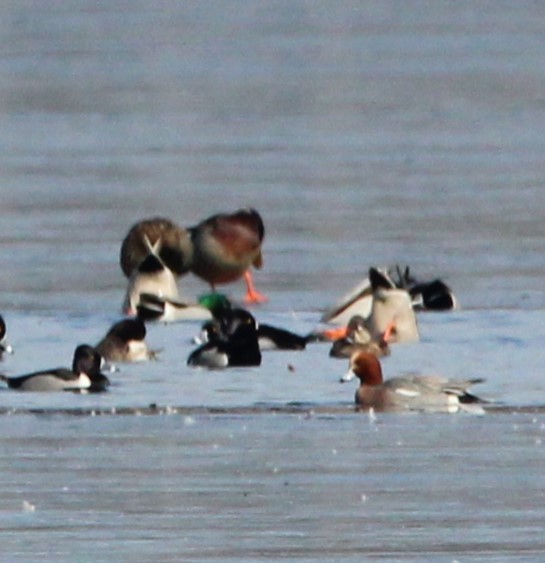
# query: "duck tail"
434,296
150,307
469,398
154,248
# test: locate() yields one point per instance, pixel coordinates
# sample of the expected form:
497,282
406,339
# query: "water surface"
366,133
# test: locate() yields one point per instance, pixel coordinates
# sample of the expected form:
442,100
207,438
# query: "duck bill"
6,348
201,338
348,376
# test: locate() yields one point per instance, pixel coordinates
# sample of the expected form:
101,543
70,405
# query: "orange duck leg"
252,295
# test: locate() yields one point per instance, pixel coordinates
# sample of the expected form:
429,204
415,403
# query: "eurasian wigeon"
238,346
175,251
225,246
125,342
85,375
5,347
430,393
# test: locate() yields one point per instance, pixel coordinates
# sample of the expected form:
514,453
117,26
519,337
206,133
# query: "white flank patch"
407,392
82,382
266,344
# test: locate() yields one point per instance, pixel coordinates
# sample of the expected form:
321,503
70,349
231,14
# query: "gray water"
366,133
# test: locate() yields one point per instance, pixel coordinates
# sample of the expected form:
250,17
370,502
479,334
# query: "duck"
125,342
163,309
434,295
85,375
380,305
390,305
236,345
225,246
154,308
176,248
355,330
5,347
355,337
269,337
151,276
430,393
